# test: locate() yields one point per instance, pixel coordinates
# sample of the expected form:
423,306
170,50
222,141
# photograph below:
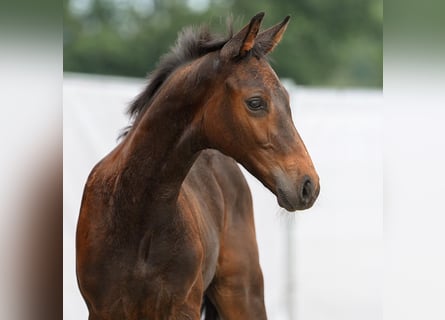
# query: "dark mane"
191,44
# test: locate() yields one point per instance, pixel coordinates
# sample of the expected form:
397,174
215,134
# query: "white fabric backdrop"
336,246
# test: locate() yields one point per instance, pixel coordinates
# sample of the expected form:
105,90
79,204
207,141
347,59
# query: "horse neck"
166,141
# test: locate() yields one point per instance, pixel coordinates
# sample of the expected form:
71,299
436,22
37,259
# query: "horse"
166,227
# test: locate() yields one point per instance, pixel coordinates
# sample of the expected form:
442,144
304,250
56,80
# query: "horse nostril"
306,190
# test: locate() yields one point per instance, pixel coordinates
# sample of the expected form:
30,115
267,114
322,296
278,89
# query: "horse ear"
267,40
243,41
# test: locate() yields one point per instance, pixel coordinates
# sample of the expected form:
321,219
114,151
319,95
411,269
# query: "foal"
166,221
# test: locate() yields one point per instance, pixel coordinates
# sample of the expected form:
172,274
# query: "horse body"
164,220
214,201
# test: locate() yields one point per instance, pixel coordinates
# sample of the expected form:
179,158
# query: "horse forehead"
259,73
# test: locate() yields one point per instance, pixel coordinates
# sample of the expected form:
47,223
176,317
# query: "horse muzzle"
297,196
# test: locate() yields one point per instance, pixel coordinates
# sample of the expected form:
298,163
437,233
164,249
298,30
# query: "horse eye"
256,104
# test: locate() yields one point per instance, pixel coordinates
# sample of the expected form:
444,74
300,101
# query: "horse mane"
191,44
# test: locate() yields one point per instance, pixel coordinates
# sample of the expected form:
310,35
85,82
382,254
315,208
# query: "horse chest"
180,252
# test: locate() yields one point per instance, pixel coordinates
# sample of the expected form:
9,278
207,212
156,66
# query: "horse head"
248,117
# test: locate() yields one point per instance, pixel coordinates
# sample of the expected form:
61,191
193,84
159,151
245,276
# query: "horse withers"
166,226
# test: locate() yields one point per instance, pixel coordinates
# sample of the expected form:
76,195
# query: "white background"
335,248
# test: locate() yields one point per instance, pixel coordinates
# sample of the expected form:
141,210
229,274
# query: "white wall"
336,245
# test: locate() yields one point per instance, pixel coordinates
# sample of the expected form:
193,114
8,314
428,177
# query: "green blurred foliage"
328,43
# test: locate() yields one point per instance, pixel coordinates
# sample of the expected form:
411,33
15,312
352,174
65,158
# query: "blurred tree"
328,43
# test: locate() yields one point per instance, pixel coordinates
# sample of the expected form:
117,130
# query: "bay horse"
166,226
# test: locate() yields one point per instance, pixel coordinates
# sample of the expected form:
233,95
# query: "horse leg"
237,291
177,297
191,308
